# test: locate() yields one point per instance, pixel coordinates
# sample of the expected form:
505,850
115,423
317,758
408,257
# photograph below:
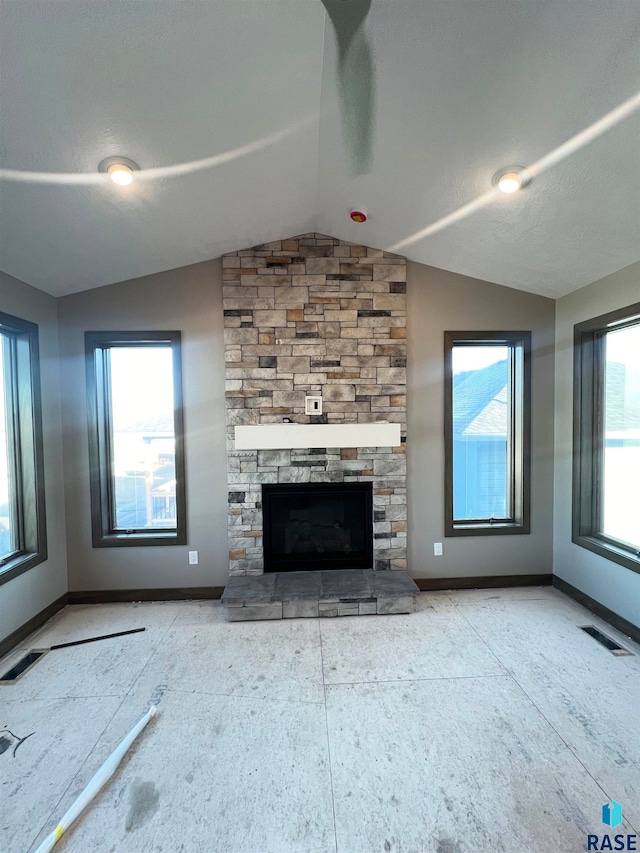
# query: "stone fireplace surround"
313,315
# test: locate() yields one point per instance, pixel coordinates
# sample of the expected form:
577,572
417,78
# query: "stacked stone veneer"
315,315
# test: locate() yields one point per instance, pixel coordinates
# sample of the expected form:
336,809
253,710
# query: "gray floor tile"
252,589
292,585
344,584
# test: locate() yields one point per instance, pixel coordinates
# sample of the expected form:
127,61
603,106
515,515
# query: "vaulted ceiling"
237,115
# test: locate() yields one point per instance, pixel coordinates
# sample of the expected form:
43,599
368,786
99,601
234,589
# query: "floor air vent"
605,641
24,664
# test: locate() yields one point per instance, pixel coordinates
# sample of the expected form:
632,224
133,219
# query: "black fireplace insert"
317,526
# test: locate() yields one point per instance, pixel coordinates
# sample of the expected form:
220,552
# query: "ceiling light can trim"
107,165
516,176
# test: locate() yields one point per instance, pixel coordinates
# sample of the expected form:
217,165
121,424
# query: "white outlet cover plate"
313,405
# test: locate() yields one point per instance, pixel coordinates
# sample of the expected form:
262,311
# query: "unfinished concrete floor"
485,721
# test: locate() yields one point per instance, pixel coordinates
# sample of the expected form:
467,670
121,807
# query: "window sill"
609,551
19,564
132,540
505,529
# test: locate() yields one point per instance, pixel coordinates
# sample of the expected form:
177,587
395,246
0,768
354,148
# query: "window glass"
621,452
482,426
143,437
7,488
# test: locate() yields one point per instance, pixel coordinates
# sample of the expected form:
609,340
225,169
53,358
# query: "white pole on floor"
95,785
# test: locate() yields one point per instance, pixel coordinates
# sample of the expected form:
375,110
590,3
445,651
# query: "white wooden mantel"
291,436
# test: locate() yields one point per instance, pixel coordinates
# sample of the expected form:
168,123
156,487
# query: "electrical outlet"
193,558
313,405
437,549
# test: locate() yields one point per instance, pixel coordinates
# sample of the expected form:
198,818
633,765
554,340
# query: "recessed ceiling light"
119,169
511,179
120,174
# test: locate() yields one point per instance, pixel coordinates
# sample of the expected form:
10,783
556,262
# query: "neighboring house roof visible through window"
481,402
150,425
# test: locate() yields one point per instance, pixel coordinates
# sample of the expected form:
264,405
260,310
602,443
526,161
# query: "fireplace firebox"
317,526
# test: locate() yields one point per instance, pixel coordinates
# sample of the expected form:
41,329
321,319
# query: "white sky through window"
141,384
623,346
477,357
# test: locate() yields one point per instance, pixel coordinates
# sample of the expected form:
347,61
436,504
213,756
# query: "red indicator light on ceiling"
358,216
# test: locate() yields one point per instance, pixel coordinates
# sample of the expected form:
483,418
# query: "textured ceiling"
244,95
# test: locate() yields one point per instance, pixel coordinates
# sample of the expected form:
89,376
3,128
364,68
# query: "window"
136,438
23,539
487,432
606,462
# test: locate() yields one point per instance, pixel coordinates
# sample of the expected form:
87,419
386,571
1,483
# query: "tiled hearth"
296,595
313,315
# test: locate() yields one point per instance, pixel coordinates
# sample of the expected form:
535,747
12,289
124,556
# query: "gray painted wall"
190,300
29,593
617,587
438,301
